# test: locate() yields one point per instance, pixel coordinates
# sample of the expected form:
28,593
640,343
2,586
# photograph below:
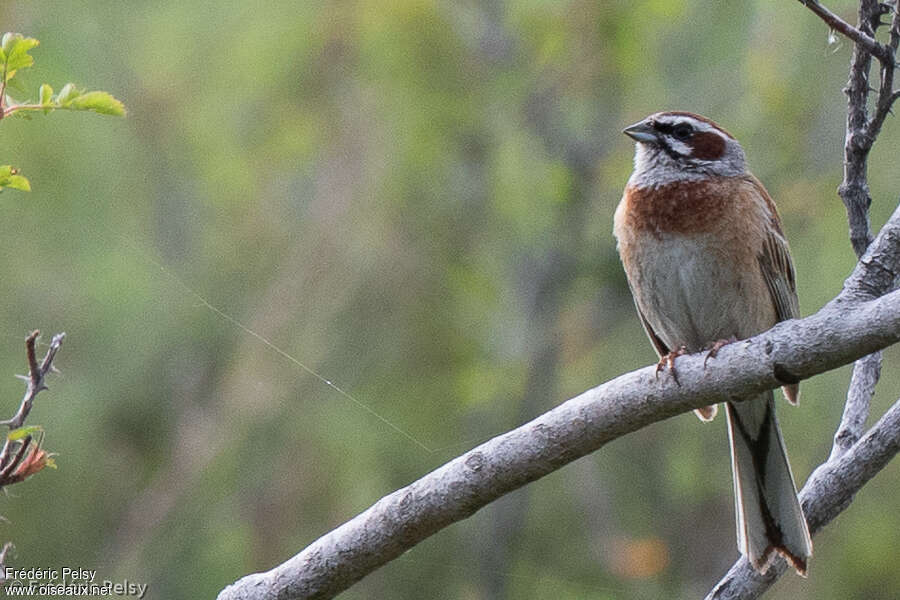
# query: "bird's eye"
682,131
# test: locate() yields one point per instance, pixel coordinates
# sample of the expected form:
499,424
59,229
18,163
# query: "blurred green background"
413,199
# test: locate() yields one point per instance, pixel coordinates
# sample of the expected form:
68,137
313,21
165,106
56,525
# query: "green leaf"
18,182
46,95
15,52
23,432
99,102
10,178
18,57
68,93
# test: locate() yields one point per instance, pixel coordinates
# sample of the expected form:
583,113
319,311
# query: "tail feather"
769,517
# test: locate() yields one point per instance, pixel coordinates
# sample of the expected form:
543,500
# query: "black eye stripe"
683,131
680,130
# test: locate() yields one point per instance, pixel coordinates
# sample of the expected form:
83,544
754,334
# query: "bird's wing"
778,272
775,263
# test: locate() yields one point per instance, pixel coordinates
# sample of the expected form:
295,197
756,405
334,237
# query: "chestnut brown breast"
680,207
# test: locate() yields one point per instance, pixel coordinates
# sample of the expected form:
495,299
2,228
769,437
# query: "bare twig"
860,36
866,372
34,381
4,553
886,94
849,327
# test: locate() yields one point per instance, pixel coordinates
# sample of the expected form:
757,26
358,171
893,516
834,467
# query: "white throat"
654,167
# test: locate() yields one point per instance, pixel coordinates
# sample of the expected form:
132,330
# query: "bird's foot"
715,347
669,361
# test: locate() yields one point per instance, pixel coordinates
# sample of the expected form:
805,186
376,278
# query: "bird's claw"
715,347
669,361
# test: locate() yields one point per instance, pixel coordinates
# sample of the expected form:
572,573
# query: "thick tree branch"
851,326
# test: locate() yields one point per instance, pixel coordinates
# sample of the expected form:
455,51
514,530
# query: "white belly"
693,295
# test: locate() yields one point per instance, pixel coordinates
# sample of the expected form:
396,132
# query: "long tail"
769,517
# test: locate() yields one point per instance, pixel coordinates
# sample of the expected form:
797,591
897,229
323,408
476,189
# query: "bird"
707,263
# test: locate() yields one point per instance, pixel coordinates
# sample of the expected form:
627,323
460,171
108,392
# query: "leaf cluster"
14,56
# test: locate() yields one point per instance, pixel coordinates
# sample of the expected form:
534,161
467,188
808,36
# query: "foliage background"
414,199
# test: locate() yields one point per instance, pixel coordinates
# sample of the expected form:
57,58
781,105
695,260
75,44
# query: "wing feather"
778,272
776,264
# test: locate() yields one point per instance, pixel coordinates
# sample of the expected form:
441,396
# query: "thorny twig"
861,130
34,381
14,452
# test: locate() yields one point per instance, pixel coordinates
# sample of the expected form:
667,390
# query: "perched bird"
707,263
